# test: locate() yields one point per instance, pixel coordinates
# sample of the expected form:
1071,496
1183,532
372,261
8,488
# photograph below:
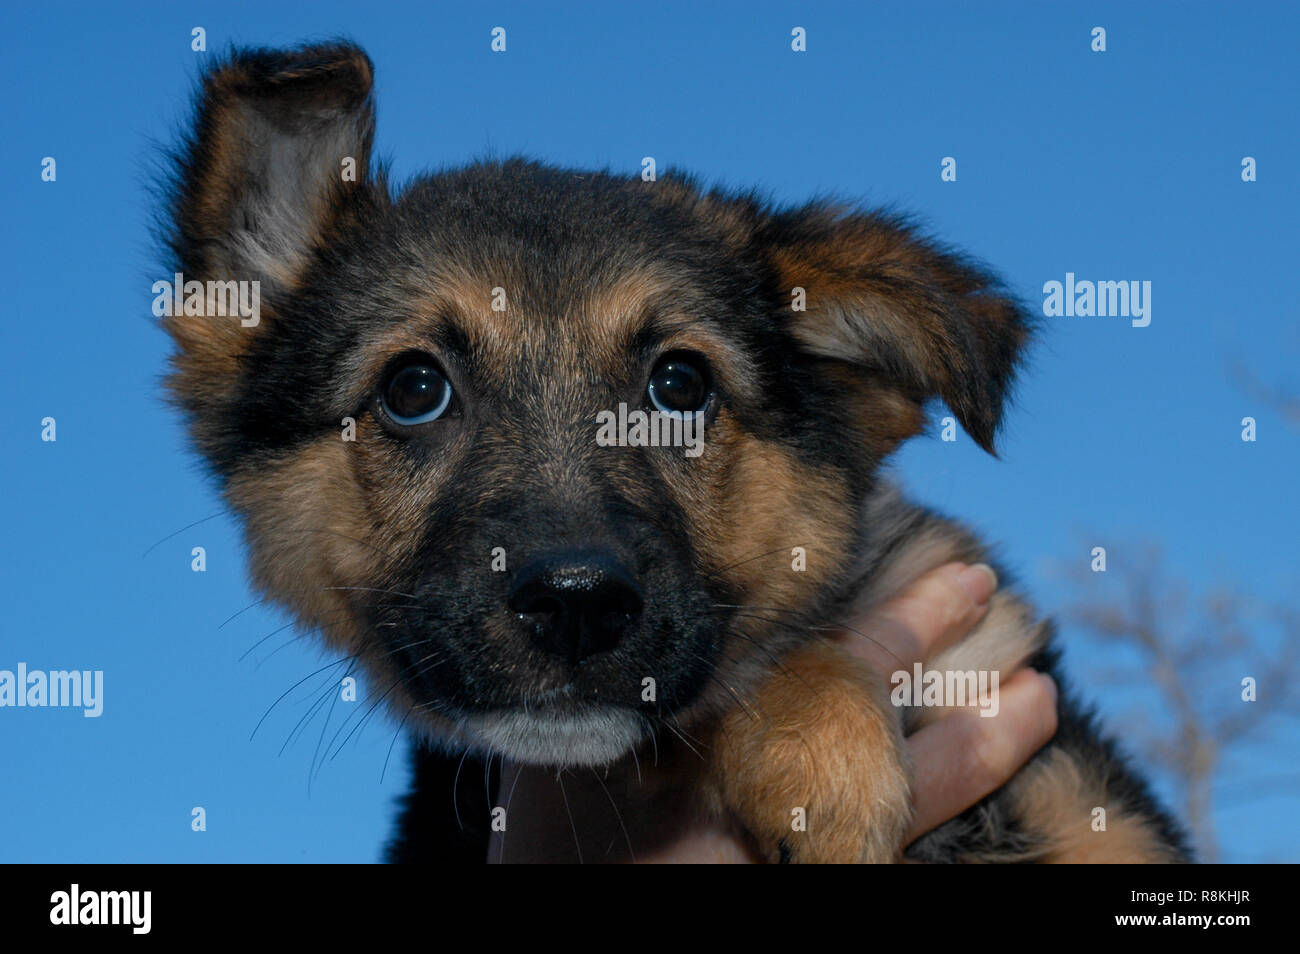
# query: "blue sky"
1117,165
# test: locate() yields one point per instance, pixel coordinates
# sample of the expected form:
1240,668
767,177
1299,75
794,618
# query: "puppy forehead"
506,305
509,319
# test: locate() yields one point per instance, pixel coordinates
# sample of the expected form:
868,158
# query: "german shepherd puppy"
408,432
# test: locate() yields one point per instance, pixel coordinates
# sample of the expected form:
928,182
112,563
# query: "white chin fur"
594,738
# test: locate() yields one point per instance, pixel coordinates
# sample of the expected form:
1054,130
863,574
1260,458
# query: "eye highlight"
416,393
679,385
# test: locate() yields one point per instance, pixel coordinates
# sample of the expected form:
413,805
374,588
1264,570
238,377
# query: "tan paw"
815,768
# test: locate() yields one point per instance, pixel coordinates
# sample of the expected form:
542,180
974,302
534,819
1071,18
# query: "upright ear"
883,298
262,178
276,164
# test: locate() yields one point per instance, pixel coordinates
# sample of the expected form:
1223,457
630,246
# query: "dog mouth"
557,730
576,663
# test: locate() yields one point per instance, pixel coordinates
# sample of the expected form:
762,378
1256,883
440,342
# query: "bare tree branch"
1195,654
1285,402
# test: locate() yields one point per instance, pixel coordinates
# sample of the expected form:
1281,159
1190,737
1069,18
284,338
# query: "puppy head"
411,432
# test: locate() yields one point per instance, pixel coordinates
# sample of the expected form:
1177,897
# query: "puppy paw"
815,768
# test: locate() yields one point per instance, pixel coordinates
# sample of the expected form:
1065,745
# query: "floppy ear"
260,183
918,315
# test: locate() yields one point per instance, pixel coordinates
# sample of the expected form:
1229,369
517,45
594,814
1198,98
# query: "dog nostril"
539,604
578,602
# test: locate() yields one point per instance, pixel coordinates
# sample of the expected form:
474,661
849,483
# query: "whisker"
509,801
314,766
322,669
191,526
375,705
717,574
245,653
372,589
391,744
565,795
265,599
313,629
618,815
677,731
365,543
821,629
772,657
455,787
362,721
271,655
325,693
745,707
636,761
243,611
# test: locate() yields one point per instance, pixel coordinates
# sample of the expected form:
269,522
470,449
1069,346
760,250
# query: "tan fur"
817,737
887,416
780,504
1056,796
615,310
206,363
321,534
841,299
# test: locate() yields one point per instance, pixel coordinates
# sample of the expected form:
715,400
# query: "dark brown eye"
679,384
416,393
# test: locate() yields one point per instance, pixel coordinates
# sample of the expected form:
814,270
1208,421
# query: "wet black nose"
578,601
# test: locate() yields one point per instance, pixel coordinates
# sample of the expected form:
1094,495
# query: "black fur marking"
445,818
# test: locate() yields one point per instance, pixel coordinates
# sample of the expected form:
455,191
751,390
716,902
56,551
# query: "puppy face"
410,430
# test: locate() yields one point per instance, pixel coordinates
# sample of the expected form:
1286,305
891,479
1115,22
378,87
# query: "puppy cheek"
306,524
781,530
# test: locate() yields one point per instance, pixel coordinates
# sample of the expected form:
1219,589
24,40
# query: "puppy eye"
679,384
416,394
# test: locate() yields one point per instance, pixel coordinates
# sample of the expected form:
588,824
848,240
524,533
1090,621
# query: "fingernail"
979,581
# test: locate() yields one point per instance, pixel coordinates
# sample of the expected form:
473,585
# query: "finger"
934,612
960,759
